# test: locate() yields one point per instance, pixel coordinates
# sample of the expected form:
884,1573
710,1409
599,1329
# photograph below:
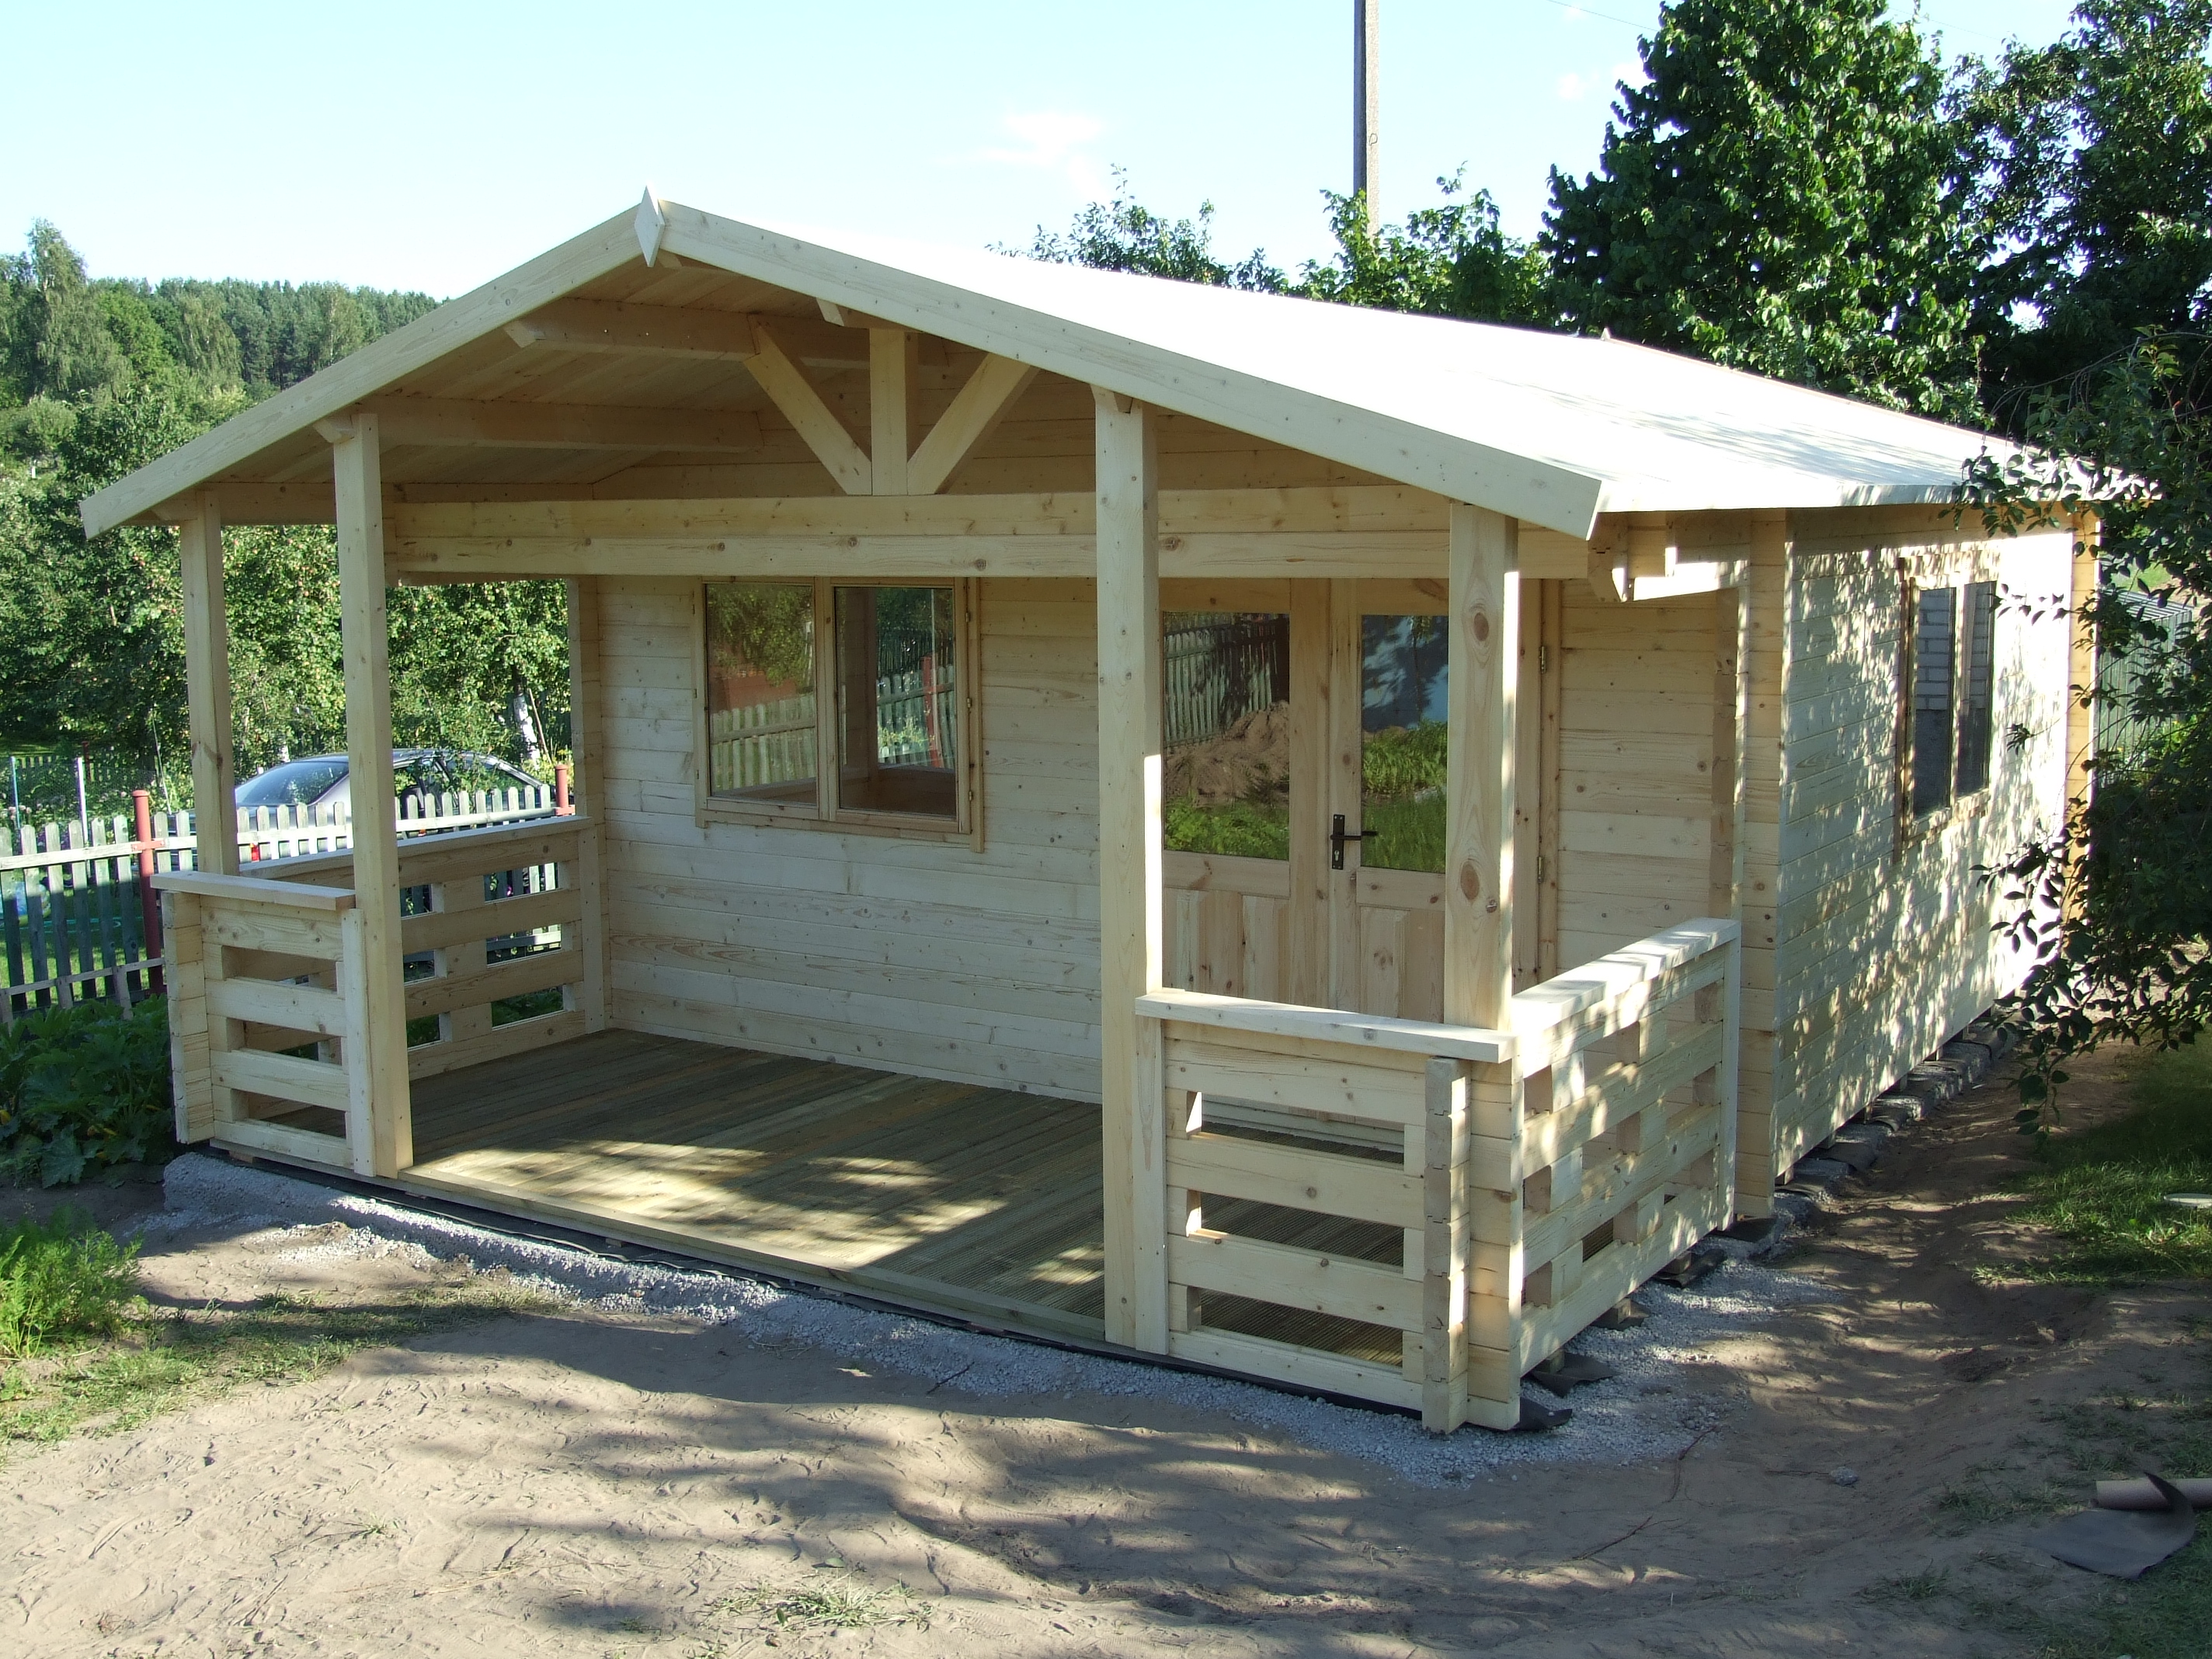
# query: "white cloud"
1631,71
1054,141
1571,87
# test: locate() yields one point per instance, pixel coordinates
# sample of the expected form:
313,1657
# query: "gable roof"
1550,429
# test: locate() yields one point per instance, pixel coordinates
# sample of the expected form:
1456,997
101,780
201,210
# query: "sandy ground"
581,1482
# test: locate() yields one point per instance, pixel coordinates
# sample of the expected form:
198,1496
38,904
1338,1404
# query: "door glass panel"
1226,714
759,691
898,732
1401,723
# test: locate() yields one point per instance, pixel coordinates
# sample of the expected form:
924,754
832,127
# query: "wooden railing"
265,1002
495,924
1417,1213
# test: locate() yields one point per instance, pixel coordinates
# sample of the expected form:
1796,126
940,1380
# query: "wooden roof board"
1550,429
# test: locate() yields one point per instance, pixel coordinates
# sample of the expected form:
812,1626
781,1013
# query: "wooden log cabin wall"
1434,818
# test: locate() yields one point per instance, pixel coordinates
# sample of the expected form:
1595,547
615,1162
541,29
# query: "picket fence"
77,915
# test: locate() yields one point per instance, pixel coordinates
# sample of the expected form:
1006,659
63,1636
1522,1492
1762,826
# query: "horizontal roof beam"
611,325
447,421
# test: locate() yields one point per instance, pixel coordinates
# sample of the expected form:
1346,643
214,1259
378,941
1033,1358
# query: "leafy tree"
1780,196
1123,235
2091,164
1450,260
97,377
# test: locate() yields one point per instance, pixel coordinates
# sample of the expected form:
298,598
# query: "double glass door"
1304,795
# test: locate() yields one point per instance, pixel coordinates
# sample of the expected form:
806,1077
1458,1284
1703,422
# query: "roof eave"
599,250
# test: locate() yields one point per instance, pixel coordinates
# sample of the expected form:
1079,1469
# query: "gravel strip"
1663,1399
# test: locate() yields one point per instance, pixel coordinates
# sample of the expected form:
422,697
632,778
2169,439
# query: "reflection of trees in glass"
1404,661
768,626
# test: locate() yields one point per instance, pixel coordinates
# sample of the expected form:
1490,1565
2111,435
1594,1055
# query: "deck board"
966,1197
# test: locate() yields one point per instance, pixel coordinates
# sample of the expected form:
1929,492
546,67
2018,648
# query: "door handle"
1338,835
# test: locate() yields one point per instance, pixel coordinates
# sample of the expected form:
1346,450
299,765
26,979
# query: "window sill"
1931,826
902,826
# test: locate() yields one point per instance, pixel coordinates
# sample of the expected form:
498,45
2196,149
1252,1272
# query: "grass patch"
832,1604
61,1282
159,1360
1923,1586
1242,829
2103,1190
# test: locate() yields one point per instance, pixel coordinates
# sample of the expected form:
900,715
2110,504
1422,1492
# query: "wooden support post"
1132,1083
1731,792
892,374
1484,658
1483,617
1549,644
1530,666
1447,1143
190,1078
207,687
1309,875
376,1039
586,727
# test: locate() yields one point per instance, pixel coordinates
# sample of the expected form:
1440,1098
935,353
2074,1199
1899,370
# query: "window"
885,704
1404,675
898,728
1952,702
1226,718
760,692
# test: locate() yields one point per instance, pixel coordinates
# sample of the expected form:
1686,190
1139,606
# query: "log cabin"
1320,843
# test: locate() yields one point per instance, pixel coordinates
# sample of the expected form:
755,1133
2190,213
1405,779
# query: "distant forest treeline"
101,375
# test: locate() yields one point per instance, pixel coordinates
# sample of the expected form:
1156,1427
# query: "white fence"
76,915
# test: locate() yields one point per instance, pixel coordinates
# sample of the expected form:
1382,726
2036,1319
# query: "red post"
149,901
561,802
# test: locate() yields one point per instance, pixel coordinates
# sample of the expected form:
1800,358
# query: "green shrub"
1402,761
81,1088
66,1278
1240,830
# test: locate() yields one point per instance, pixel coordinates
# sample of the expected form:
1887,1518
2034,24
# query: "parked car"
420,774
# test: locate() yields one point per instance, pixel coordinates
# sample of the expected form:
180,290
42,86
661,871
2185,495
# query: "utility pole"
1366,107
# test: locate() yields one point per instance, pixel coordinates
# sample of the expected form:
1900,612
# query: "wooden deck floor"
975,1201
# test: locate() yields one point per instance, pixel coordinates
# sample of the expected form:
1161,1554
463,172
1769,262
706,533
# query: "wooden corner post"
207,686
1484,656
376,1071
1129,952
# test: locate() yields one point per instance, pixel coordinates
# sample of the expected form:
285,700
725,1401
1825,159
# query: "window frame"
1915,577
825,813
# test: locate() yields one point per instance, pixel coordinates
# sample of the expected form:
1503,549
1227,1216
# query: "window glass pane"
759,691
1226,714
1402,683
898,726
1976,686
1934,631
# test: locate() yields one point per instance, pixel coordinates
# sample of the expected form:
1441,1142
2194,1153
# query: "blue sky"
412,145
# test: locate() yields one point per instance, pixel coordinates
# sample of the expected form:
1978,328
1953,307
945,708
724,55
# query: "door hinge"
1540,866
1543,659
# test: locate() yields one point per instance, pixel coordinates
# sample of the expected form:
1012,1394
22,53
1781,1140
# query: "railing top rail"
1414,1037
1590,984
438,841
258,890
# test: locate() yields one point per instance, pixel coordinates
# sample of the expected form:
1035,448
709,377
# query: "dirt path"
582,1483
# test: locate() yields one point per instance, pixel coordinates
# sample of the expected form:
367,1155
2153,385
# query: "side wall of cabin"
1883,940
927,957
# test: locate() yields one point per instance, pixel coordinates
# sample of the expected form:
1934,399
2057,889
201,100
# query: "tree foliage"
1123,235
1780,196
97,377
1451,260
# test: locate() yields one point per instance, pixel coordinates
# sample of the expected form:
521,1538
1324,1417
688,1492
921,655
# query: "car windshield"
293,784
